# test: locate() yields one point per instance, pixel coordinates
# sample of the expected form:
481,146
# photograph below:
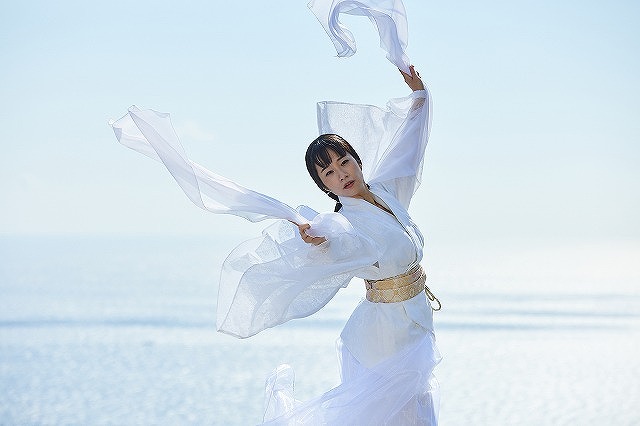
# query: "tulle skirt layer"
401,390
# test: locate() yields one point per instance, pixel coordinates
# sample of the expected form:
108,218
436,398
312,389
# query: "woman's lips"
349,185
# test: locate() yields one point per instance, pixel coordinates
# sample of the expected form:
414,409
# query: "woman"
387,348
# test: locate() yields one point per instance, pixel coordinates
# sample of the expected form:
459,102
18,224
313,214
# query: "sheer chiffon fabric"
390,141
152,134
388,16
401,390
277,277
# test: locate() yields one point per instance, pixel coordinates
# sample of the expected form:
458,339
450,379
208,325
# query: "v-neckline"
381,204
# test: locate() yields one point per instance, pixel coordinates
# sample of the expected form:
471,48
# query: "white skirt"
387,354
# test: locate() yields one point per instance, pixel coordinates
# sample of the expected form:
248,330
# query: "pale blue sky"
536,127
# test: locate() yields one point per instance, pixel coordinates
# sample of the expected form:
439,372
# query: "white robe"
387,350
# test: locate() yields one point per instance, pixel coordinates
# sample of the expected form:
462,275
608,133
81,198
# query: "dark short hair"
318,154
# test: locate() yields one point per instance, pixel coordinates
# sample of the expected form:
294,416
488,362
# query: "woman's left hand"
308,238
413,80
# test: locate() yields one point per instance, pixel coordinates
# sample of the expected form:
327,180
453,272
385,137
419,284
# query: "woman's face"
343,176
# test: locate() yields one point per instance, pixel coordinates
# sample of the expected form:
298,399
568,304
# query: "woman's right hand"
308,238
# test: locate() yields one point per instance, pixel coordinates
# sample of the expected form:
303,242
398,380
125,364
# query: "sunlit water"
121,331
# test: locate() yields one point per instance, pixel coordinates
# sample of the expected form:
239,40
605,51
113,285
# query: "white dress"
387,350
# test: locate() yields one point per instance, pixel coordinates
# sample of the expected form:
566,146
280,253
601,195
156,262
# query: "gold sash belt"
400,288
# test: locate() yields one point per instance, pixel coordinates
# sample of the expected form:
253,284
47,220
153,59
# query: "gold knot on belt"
401,287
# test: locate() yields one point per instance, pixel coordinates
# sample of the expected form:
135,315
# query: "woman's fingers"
308,238
413,80
302,229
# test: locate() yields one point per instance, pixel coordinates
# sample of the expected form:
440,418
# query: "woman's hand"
413,80
308,238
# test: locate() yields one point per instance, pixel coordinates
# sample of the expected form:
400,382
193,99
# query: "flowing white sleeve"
391,142
388,16
277,277
152,134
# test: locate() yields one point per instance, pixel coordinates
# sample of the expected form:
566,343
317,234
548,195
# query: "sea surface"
121,330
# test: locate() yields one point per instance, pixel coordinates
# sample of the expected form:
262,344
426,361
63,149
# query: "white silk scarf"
388,16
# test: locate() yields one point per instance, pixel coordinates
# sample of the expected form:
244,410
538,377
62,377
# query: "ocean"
121,330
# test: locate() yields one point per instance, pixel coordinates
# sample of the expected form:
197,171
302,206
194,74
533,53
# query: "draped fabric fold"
388,16
277,277
398,391
152,134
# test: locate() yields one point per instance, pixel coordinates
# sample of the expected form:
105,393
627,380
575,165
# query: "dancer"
387,348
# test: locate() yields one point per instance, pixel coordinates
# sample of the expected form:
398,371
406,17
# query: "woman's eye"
345,162
328,172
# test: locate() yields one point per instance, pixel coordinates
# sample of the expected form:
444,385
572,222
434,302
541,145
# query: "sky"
536,129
